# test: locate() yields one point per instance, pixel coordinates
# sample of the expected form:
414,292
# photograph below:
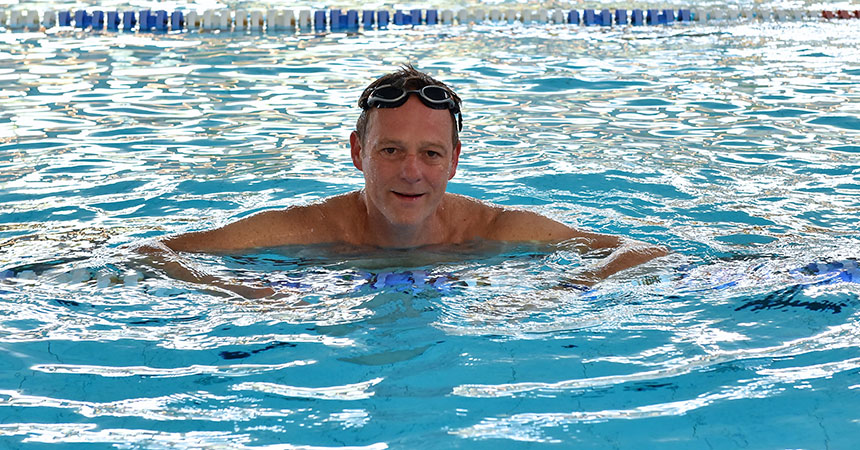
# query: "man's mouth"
407,196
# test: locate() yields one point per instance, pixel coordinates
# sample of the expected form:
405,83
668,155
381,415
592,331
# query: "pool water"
737,145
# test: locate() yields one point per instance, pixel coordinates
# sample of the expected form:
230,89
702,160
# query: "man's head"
396,85
407,146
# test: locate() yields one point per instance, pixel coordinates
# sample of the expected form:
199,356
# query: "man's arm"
266,229
162,257
515,225
628,254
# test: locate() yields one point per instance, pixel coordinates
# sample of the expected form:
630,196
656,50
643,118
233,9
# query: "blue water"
736,145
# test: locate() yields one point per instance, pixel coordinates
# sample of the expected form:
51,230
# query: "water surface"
736,145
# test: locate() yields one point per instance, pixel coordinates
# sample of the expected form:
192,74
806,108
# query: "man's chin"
406,222
406,219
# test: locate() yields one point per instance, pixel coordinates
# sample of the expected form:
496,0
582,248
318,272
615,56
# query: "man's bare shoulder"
333,219
521,225
467,218
469,205
498,223
313,223
329,210
324,221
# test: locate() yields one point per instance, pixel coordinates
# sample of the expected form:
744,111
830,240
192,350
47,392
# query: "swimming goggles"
436,97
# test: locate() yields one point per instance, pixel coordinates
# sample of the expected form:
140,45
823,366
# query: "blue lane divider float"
588,18
319,20
129,20
177,20
335,19
621,16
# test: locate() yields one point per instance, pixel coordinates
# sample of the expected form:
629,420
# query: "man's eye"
389,150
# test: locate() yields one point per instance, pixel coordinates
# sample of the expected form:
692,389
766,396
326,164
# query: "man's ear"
355,149
455,161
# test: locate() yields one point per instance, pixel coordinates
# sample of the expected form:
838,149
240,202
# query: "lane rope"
306,20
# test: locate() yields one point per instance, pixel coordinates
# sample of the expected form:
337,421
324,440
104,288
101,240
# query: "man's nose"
410,170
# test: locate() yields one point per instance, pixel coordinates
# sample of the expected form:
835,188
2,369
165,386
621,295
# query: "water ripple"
357,391
529,426
838,337
236,370
734,144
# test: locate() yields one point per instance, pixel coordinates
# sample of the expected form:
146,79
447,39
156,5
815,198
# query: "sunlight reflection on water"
735,145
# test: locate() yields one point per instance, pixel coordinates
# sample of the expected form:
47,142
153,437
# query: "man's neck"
387,235
378,231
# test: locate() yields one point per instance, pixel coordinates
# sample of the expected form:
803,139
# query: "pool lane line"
306,20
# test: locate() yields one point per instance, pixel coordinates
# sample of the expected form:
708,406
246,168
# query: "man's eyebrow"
389,141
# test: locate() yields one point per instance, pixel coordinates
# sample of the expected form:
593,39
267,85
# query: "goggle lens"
435,93
389,93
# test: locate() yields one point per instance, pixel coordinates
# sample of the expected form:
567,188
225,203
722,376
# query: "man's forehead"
413,116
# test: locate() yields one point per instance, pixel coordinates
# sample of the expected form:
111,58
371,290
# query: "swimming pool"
738,145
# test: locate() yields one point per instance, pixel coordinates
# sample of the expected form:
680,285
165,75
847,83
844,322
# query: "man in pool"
406,143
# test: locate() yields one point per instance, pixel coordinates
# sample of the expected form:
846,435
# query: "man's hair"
407,78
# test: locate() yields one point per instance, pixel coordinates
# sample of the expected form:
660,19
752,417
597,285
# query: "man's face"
407,156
